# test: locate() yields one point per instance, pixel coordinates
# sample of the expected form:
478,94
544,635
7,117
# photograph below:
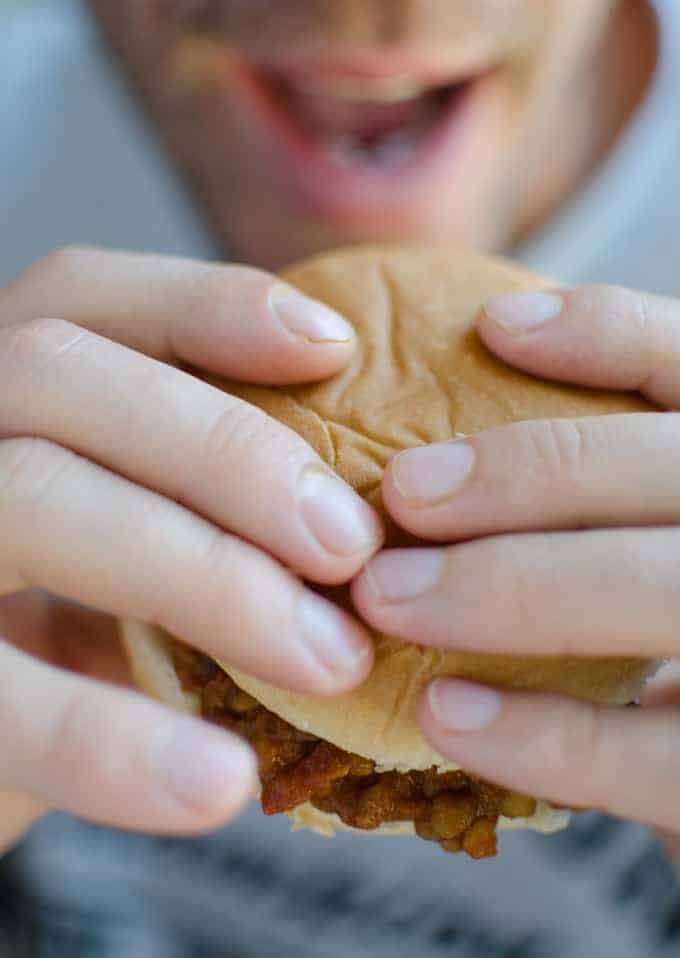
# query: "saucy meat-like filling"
451,808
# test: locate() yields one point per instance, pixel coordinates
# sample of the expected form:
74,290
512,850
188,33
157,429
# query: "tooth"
378,89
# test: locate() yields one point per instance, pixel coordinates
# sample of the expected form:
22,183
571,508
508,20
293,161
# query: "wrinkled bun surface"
420,374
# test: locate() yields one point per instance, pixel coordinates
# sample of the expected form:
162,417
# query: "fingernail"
308,318
326,633
403,574
339,519
205,768
462,706
522,312
430,474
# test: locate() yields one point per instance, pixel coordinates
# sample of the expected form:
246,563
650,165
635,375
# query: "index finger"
168,431
602,336
230,319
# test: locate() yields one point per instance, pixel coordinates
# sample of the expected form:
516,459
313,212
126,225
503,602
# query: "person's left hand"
575,529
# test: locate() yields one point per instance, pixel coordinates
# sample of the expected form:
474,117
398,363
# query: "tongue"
333,117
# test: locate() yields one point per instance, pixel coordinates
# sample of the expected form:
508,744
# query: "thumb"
601,336
111,755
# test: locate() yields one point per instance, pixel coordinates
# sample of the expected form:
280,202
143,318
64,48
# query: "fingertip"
339,646
309,320
317,339
461,721
422,486
208,773
396,504
363,598
250,326
376,608
424,711
517,314
426,717
338,520
508,323
456,705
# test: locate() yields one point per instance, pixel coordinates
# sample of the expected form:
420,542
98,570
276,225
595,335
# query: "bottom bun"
545,820
150,656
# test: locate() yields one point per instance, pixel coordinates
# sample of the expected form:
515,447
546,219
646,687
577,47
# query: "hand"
526,585
128,486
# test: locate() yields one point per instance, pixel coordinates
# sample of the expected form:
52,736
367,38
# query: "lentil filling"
451,808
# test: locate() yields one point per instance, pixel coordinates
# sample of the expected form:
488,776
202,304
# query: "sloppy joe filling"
452,808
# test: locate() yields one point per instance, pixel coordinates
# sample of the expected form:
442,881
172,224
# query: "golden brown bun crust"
420,374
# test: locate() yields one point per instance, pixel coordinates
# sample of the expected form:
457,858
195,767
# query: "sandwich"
420,374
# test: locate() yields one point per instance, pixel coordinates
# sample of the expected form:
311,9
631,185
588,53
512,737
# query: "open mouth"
366,143
375,123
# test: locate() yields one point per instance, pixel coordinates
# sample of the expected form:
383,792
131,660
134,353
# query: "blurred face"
308,123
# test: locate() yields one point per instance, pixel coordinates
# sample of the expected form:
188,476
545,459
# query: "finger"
234,320
612,592
602,336
167,430
112,756
548,474
622,760
70,526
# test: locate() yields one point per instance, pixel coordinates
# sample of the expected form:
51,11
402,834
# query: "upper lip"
389,71
392,89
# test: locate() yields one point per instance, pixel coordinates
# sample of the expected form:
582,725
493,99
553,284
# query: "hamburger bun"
419,375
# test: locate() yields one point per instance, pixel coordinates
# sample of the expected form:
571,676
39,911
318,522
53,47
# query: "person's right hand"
130,487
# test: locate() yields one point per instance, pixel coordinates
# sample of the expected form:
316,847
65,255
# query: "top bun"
420,374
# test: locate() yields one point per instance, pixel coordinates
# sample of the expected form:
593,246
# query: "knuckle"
38,342
216,288
598,296
59,268
206,295
63,262
615,306
557,449
493,558
246,275
218,558
15,466
641,311
239,429
488,575
70,736
84,739
28,470
516,581
527,589
575,748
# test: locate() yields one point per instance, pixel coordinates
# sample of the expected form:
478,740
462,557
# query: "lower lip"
355,194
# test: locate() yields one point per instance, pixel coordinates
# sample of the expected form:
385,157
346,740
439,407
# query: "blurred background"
602,888
598,890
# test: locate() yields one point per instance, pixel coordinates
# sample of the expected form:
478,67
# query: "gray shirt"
78,164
